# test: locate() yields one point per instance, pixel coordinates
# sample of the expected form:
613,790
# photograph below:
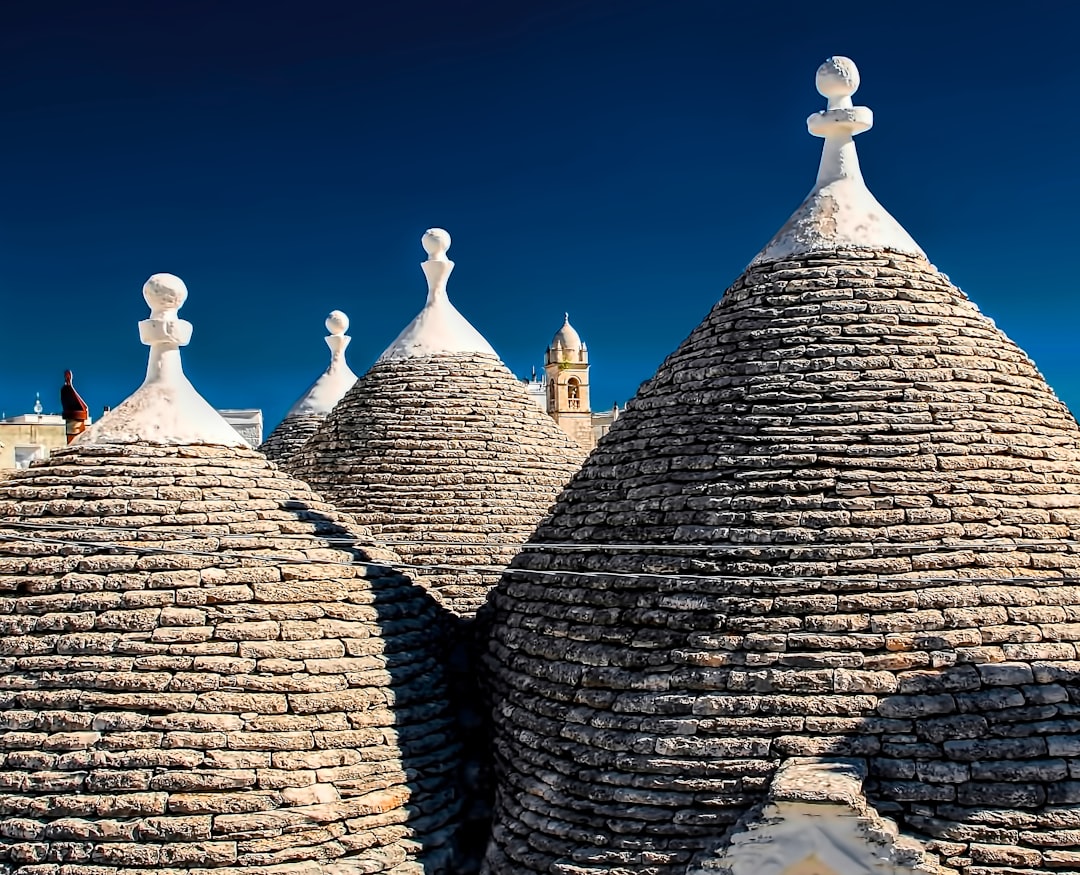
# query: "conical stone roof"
311,408
205,667
440,451
841,521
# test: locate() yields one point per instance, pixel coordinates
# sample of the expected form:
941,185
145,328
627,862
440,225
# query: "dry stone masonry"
841,521
204,668
446,457
440,451
290,435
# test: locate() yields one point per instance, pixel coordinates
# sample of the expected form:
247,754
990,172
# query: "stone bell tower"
567,368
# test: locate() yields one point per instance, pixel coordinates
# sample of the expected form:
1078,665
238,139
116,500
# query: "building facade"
29,437
563,390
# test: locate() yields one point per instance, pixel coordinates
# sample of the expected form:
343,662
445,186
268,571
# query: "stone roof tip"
439,329
336,380
840,212
166,409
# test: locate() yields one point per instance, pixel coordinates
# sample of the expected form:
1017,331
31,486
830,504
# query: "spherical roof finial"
164,293
837,77
337,323
436,241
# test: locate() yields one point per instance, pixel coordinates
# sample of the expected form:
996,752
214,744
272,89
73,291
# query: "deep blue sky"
620,160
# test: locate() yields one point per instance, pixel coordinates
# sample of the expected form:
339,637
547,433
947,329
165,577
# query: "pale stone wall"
51,436
579,427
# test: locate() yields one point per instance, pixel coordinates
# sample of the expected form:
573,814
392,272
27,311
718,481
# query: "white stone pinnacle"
165,409
439,328
338,377
840,212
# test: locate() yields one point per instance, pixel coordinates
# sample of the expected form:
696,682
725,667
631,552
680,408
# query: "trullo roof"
311,408
205,666
440,451
821,571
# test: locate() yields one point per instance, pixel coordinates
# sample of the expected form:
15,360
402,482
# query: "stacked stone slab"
447,458
841,520
206,668
290,435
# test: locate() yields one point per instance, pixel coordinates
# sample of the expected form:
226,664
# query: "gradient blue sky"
620,160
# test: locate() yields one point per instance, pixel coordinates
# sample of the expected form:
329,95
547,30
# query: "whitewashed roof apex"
439,328
336,380
840,212
166,409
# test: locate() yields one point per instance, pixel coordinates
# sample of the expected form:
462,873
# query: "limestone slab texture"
196,678
840,521
446,458
290,435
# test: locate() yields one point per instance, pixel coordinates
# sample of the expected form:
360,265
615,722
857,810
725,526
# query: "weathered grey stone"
838,513
448,460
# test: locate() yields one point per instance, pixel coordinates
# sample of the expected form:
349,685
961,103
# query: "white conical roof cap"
840,212
439,328
166,409
338,377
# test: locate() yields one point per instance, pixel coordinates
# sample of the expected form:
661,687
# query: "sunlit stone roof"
840,521
204,665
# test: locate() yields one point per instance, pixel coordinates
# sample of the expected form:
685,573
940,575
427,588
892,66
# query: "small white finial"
164,294
337,323
37,404
837,79
435,242
336,380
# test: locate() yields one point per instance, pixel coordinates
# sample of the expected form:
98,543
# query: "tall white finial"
438,267
837,79
165,409
439,327
164,332
336,380
840,212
